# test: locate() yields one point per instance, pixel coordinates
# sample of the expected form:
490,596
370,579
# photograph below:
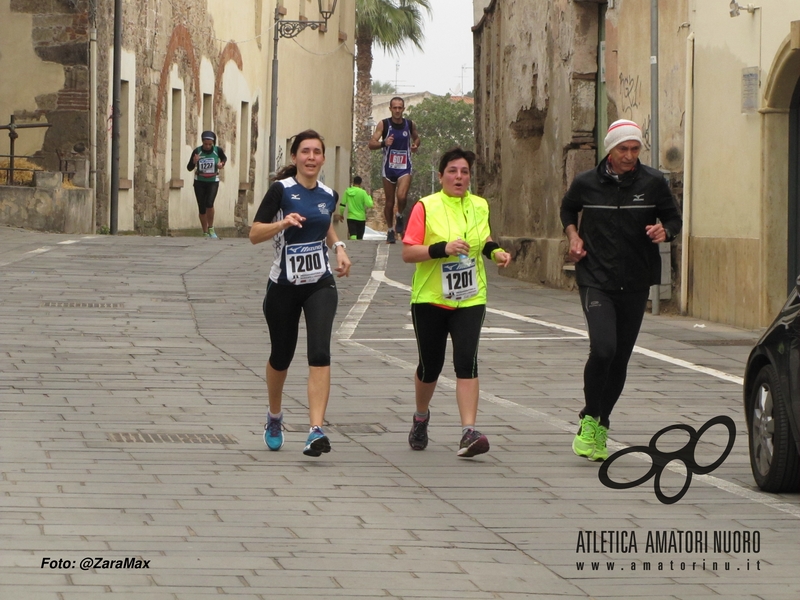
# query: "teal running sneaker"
584,442
317,442
600,449
273,433
212,234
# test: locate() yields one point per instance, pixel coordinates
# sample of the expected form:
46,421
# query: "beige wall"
628,73
25,77
739,198
477,7
316,72
199,47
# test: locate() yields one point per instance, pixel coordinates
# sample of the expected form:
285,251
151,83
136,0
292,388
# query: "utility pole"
115,108
654,156
463,68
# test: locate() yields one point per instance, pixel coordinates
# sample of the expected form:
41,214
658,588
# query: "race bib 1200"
305,263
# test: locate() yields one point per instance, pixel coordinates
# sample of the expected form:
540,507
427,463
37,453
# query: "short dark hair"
455,154
357,180
397,98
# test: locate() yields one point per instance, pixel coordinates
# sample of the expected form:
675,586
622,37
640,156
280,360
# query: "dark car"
772,402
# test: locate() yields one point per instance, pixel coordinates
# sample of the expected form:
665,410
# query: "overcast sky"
447,48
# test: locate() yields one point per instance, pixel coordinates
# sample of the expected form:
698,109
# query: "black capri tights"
282,307
205,192
432,324
356,229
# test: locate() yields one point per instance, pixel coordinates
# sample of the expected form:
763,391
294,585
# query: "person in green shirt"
357,201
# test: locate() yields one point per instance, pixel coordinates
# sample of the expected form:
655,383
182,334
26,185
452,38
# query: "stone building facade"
550,75
186,66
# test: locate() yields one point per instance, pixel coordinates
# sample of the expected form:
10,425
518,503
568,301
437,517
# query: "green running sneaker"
584,442
600,450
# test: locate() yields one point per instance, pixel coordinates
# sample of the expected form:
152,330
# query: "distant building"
187,66
380,103
464,99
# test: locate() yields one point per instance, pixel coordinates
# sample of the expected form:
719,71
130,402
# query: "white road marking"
353,318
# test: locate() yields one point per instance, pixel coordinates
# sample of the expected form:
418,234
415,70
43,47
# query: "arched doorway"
780,192
793,263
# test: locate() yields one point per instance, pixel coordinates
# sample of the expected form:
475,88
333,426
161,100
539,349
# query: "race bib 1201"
459,280
305,263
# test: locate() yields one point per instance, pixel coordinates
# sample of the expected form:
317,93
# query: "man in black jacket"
617,260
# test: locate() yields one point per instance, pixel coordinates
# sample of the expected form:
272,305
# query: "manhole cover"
172,438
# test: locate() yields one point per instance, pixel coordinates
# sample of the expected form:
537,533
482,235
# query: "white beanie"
622,131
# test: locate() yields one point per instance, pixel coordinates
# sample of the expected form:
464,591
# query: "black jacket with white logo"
619,254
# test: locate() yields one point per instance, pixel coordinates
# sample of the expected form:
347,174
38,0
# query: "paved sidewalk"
133,401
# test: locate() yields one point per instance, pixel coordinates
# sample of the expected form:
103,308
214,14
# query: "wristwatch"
337,245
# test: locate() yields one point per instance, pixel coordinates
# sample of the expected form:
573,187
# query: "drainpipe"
115,102
655,291
688,145
93,123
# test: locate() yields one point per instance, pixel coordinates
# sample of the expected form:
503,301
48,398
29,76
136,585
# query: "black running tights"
613,319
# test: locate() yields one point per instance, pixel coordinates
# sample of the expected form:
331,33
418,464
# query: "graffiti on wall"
630,91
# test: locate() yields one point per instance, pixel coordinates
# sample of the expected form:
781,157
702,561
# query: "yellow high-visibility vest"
448,219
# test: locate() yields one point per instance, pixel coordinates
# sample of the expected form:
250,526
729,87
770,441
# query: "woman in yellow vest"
445,236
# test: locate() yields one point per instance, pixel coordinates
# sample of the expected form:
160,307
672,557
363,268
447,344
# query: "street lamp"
289,29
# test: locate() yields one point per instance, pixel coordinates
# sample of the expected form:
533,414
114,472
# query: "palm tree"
389,24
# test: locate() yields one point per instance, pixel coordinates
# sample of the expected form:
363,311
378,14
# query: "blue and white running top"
301,254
